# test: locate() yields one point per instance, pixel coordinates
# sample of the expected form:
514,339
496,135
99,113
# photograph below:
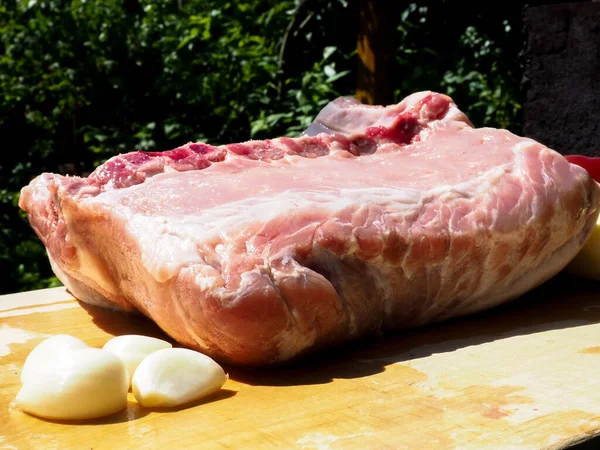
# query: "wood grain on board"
523,376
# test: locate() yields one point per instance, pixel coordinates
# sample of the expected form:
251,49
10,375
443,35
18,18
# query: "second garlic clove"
80,384
175,376
133,348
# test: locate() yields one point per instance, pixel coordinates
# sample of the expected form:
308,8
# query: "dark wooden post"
562,76
377,51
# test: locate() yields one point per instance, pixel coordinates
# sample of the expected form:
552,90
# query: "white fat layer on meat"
89,265
169,243
164,251
468,189
208,279
78,289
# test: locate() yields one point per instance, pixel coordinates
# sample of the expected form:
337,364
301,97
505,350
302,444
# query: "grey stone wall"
562,76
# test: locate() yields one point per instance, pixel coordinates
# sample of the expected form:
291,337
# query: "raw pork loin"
378,218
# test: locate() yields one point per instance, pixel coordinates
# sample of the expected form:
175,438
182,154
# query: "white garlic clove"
133,348
175,376
46,352
79,384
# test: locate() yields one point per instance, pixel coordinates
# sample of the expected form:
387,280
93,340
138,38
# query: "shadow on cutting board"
118,323
592,444
135,411
562,302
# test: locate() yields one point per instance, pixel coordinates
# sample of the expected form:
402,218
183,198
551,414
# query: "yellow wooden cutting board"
523,376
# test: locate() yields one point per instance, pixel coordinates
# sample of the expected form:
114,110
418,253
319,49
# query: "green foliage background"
83,80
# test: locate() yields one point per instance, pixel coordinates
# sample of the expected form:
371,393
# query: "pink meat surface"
378,218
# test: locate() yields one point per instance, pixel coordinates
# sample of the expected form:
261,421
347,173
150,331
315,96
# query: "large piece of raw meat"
379,218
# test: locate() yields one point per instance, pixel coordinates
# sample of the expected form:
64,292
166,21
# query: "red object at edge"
589,163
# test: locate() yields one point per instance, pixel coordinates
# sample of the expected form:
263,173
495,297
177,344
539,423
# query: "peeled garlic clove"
79,384
133,348
176,376
46,352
